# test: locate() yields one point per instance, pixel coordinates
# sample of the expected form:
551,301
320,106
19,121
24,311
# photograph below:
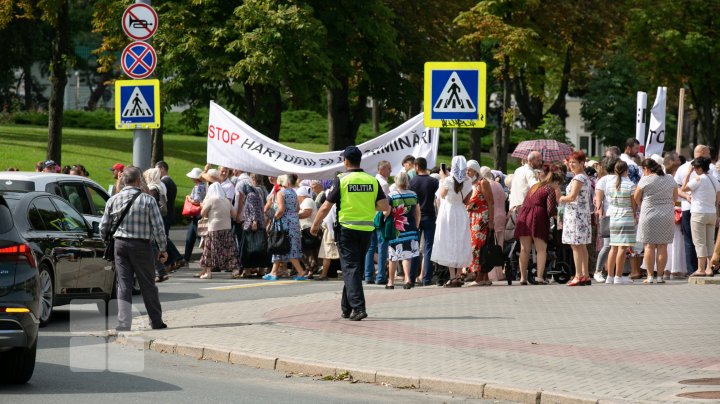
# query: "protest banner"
234,144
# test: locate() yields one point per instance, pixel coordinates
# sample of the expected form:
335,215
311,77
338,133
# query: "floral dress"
406,243
479,219
290,222
576,221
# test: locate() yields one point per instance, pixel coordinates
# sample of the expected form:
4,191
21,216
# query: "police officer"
358,196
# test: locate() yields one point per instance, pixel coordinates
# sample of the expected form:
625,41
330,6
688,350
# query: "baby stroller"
559,265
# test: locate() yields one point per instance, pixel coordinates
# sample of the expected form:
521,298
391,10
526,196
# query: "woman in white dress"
451,247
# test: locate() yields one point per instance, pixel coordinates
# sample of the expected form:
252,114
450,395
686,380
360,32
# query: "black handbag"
109,253
278,239
255,242
491,254
309,241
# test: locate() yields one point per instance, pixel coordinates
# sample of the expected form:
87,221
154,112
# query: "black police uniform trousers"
352,246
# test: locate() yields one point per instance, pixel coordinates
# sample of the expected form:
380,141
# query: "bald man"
524,178
701,150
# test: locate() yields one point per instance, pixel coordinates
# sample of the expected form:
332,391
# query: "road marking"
255,285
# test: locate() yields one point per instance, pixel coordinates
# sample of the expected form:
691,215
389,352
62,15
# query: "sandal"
541,281
197,275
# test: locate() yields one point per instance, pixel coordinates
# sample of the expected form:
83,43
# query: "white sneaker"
623,280
599,278
609,280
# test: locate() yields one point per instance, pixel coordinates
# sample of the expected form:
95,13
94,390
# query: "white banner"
232,143
656,133
640,119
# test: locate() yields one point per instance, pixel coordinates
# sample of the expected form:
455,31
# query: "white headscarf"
215,190
152,178
458,168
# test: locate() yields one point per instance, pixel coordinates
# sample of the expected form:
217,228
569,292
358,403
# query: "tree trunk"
558,108
338,117
375,116
530,106
475,137
158,146
28,84
501,138
264,109
58,81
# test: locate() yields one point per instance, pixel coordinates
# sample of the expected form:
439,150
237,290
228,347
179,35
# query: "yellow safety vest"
358,192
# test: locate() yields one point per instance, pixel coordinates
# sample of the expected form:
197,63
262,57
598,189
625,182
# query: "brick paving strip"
526,344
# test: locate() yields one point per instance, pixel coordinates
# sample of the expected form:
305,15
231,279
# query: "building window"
585,145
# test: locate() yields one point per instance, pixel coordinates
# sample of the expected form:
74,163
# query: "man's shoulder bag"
109,254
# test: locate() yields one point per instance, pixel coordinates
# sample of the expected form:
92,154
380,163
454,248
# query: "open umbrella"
551,150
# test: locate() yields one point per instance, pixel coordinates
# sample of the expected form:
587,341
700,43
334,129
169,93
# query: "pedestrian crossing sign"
137,104
455,94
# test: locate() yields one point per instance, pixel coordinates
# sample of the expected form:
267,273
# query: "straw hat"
212,175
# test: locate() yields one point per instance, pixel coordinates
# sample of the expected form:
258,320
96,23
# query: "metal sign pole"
454,142
142,138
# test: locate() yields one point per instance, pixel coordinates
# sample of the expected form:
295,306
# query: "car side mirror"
95,228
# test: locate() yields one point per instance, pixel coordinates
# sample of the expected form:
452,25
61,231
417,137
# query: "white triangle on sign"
136,106
454,97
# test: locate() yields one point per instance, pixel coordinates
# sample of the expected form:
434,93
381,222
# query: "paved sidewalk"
521,343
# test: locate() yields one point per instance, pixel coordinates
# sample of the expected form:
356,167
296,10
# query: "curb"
465,388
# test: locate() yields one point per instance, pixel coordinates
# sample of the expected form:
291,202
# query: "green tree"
684,53
609,101
361,42
56,14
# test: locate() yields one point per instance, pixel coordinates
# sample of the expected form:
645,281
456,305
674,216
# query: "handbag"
278,240
678,215
491,254
202,227
605,227
190,210
109,253
309,241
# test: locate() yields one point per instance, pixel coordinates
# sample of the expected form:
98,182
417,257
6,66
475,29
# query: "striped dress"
623,229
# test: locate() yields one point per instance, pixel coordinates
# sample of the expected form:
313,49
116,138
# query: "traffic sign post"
139,21
137,104
455,96
138,60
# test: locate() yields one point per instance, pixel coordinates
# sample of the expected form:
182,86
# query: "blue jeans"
382,250
191,238
426,229
690,254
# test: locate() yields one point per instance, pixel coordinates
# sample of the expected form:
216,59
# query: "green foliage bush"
98,119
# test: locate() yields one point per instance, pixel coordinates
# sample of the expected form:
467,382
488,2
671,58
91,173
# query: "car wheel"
18,364
47,294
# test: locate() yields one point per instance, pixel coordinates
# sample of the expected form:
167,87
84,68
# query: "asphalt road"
165,378
169,378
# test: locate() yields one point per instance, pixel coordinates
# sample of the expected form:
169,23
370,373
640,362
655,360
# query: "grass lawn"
98,150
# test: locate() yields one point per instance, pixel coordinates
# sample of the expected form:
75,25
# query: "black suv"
19,302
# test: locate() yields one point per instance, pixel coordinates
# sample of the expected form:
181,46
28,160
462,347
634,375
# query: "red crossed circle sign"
139,21
138,60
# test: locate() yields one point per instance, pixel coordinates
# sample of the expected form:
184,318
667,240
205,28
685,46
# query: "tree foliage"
609,102
684,52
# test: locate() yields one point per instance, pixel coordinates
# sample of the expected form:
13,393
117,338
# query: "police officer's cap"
352,154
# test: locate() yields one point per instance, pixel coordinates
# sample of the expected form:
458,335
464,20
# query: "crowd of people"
618,214
623,214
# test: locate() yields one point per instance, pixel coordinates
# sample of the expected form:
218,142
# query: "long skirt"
220,251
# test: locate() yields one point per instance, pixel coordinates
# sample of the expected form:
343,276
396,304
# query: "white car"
84,194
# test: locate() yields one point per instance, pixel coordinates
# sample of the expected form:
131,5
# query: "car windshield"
17,186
